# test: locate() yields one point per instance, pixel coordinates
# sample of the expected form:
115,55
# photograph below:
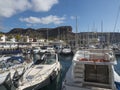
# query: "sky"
54,13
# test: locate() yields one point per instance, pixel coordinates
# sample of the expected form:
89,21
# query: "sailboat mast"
102,37
76,36
47,35
88,36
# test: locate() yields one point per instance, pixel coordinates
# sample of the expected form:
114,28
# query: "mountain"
61,32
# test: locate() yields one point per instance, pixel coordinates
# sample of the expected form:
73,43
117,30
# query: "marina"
66,62
59,45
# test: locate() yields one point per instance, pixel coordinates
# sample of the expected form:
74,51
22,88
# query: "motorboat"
66,50
116,51
58,48
45,49
41,73
10,65
91,69
36,49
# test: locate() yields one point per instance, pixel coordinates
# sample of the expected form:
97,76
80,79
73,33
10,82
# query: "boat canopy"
16,58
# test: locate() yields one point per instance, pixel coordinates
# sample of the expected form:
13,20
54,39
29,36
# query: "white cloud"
43,5
10,7
44,20
30,20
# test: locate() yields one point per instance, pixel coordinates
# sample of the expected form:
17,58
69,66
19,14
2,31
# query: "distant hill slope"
58,32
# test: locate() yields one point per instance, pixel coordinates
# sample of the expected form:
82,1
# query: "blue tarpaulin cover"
18,58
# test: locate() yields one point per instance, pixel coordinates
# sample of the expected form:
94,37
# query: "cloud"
72,17
44,20
43,5
10,7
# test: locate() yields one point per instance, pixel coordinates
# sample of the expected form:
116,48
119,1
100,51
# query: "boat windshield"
2,64
47,59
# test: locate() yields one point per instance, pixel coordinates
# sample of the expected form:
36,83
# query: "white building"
13,40
3,38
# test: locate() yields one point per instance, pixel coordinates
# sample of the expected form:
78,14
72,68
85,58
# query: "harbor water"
65,61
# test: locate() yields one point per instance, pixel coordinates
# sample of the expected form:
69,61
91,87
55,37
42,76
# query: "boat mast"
108,43
102,36
47,35
76,35
88,37
116,21
58,34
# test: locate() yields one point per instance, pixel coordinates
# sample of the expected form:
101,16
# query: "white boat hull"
39,81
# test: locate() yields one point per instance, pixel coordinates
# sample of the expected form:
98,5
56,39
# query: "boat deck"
80,88
69,84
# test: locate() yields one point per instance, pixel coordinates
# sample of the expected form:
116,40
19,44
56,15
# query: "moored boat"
45,49
66,51
91,69
12,65
42,72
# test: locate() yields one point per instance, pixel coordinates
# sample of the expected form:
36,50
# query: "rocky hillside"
63,32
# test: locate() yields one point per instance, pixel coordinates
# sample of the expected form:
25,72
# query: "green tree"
18,38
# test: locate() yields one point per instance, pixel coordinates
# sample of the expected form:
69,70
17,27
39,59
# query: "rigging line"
115,23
